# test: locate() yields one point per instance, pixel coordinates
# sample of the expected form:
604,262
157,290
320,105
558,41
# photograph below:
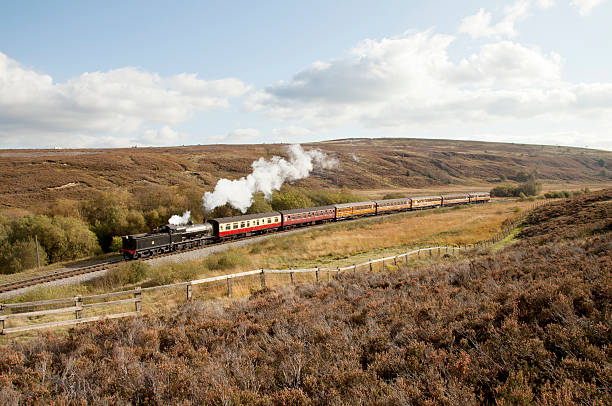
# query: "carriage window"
235,226
269,220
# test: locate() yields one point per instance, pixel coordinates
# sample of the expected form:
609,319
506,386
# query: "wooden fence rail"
78,302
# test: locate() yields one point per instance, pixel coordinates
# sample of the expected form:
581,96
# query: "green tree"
290,199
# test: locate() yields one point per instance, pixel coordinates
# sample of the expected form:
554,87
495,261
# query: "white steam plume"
266,177
177,220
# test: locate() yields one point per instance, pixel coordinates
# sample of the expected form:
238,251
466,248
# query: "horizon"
151,74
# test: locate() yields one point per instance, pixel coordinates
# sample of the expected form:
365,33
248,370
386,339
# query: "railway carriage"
390,205
426,202
458,198
310,215
348,210
250,224
170,238
480,197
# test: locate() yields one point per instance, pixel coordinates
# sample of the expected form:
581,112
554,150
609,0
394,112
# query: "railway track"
37,280
24,283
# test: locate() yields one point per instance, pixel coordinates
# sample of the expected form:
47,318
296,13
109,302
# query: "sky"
77,74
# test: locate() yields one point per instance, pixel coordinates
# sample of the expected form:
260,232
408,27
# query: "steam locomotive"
171,238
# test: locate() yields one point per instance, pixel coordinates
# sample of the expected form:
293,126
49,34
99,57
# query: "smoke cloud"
177,220
267,176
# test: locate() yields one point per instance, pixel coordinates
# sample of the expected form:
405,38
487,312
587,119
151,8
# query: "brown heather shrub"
529,324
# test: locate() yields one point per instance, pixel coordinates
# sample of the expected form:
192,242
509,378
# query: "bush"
60,238
226,260
529,188
116,244
125,274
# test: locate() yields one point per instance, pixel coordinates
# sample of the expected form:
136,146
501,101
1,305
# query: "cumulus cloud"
479,24
409,83
585,6
157,137
111,103
237,136
291,131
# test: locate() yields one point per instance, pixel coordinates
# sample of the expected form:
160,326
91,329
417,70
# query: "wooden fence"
79,304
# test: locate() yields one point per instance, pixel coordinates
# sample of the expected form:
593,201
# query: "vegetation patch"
528,324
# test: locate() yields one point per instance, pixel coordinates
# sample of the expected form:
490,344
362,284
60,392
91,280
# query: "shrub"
125,274
60,238
226,260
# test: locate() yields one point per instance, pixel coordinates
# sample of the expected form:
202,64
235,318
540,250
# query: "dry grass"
38,179
336,245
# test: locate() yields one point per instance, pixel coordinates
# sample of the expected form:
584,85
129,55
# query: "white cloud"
237,136
164,136
585,6
546,4
115,103
291,131
409,84
479,24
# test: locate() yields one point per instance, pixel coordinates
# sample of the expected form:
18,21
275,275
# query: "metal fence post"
263,279
78,301
189,291
229,287
354,268
138,302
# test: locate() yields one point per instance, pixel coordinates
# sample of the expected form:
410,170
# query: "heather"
529,324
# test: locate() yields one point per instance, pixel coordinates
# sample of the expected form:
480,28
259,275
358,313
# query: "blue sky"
103,74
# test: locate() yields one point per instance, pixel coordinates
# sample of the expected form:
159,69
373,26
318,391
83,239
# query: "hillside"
34,179
528,324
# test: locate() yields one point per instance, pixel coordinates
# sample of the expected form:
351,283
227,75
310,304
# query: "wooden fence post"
406,258
138,302
430,254
317,274
2,321
328,274
370,265
438,251
292,279
354,268
263,279
229,287
383,265
419,253
78,301
395,260
189,291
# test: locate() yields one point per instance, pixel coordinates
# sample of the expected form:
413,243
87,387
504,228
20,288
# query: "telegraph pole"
37,256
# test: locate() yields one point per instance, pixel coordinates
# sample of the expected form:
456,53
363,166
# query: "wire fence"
127,303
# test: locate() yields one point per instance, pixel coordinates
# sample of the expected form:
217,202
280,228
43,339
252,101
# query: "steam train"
170,238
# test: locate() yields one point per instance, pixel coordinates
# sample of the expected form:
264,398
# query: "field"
335,245
528,324
38,180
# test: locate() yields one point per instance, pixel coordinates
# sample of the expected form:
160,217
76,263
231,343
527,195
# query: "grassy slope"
34,179
528,324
